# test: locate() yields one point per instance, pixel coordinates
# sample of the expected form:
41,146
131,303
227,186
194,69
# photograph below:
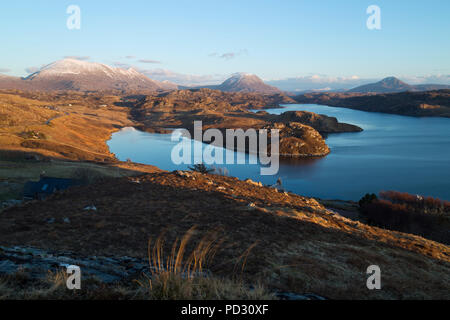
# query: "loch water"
393,152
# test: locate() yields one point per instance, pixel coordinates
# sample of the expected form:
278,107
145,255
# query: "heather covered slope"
70,126
297,245
58,134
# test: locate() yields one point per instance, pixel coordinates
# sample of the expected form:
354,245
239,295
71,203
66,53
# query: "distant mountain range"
394,85
72,74
307,84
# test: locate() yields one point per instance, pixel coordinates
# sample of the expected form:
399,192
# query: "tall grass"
179,273
183,275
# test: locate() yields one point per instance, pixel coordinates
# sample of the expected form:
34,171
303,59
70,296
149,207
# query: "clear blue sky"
274,39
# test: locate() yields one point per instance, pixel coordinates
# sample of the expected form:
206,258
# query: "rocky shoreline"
301,133
416,104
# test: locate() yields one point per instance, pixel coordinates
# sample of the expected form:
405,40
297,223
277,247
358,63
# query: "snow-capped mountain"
245,82
71,74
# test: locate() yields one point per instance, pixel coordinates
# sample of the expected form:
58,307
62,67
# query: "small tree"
279,182
368,199
200,167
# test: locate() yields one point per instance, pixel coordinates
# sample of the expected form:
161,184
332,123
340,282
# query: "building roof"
47,186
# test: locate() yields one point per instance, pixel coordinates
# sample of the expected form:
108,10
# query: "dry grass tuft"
174,277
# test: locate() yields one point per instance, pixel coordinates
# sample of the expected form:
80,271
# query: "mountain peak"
73,74
77,67
386,85
392,80
246,82
242,75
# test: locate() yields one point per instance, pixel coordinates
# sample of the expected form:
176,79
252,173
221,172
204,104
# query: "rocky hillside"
291,243
321,123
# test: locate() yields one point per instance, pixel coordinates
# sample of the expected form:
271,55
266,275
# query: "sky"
200,41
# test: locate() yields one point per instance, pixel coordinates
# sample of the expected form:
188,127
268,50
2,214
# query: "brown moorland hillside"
76,126
58,135
69,126
297,244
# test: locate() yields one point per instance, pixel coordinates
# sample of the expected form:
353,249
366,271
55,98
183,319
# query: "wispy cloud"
319,82
130,57
149,61
121,65
32,69
182,79
428,79
161,74
82,58
4,70
228,55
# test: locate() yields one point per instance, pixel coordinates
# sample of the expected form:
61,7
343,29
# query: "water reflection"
392,153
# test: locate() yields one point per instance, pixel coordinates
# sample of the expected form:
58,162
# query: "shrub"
202,168
367,199
31,134
417,203
425,216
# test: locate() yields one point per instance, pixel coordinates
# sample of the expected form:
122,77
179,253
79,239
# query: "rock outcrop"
321,123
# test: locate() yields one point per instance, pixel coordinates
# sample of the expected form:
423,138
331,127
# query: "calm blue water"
393,153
